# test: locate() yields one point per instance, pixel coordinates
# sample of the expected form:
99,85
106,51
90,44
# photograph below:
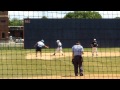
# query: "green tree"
117,17
44,17
83,15
15,22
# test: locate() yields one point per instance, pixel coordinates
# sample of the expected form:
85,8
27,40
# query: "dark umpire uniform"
77,51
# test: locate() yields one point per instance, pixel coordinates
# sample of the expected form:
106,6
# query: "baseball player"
94,46
59,48
39,46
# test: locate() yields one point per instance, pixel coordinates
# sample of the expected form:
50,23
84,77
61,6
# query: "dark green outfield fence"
106,31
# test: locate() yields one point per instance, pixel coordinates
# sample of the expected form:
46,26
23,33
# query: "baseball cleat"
81,74
53,54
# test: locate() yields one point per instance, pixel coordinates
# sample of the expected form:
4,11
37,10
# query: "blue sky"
55,14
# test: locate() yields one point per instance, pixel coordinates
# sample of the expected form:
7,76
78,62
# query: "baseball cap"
58,41
42,40
78,42
94,39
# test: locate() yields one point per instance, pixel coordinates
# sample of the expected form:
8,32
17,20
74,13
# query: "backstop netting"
18,57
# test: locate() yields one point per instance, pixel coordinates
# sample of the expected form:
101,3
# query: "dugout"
106,31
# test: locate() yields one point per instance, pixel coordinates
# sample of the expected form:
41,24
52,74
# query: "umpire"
77,51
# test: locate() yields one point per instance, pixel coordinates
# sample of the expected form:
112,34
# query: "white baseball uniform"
59,48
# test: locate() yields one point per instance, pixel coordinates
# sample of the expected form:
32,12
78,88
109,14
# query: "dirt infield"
49,56
87,76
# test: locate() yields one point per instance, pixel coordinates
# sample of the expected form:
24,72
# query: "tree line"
70,15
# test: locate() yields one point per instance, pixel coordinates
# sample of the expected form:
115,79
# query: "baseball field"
19,63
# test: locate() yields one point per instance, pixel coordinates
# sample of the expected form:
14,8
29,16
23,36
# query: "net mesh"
18,57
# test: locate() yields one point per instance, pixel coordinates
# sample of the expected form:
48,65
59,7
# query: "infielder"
94,46
39,46
59,48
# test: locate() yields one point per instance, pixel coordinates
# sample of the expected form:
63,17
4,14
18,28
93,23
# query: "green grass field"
14,64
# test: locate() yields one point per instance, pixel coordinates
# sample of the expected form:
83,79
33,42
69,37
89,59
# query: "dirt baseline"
50,56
